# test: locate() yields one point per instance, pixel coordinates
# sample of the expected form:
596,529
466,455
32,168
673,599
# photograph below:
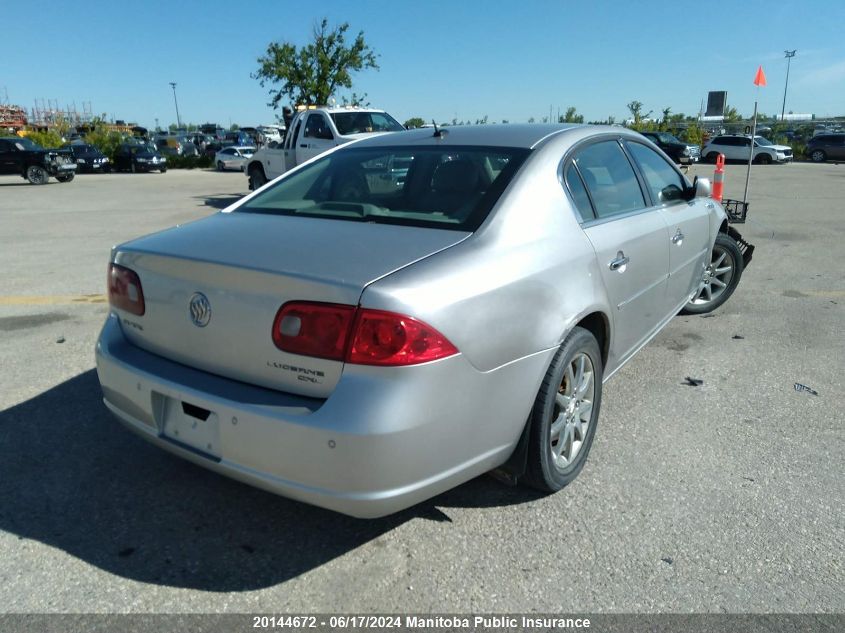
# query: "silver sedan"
233,157
410,311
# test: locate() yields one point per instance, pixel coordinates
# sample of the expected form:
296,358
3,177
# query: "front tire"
37,175
711,157
764,159
65,177
220,166
721,277
565,414
257,178
818,156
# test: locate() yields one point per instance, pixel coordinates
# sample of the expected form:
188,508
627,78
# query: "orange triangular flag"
760,77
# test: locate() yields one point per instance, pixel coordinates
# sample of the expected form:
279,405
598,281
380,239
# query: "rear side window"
665,185
610,179
450,188
579,193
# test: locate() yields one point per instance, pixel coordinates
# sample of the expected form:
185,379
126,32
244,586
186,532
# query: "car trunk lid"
246,266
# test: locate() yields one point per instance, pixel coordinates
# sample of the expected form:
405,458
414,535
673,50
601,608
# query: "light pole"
789,55
178,120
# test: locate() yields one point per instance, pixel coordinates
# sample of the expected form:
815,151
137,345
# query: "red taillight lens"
387,338
125,292
357,335
313,329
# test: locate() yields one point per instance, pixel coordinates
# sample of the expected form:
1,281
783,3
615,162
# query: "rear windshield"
360,122
448,188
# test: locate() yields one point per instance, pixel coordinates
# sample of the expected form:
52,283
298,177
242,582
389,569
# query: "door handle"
303,145
620,263
678,238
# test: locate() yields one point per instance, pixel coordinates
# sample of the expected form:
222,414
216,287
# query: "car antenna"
438,132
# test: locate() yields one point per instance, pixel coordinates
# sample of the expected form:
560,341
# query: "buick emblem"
200,309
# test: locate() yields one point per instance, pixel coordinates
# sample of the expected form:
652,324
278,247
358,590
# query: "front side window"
450,188
317,127
664,183
610,179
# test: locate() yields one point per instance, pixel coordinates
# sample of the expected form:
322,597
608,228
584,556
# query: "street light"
789,56
178,120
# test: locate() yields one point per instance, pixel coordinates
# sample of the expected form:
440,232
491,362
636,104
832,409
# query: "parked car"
234,157
680,152
826,147
139,157
32,162
738,146
88,158
363,342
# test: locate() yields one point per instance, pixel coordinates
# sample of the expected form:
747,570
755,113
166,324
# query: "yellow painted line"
828,294
41,300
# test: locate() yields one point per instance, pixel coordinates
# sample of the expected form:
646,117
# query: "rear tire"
65,177
37,175
565,414
721,277
818,156
220,166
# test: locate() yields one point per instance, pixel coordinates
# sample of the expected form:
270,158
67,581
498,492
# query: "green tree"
636,110
234,127
311,74
571,116
414,122
732,115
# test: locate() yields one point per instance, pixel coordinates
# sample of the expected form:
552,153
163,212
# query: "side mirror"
701,188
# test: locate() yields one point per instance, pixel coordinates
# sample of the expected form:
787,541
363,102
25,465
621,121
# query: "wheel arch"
598,324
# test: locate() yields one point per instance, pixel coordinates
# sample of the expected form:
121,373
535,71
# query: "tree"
414,122
731,115
636,109
311,74
571,116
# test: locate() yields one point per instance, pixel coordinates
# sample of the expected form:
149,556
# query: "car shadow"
220,200
72,478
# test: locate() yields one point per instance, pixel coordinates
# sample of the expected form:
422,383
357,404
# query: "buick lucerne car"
233,157
363,341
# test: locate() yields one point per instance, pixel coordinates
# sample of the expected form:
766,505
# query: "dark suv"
31,161
826,147
88,158
680,152
139,157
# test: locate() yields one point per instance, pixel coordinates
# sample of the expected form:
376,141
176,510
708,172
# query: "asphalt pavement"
724,497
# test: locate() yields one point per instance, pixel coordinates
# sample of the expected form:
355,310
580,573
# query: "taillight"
313,329
125,290
387,338
357,335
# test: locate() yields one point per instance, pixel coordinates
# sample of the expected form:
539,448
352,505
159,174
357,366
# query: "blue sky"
444,60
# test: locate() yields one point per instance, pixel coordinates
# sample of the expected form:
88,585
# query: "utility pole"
789,55
178,120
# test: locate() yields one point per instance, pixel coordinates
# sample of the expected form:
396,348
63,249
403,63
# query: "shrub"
47,140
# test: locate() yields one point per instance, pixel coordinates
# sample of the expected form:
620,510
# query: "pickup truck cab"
313,131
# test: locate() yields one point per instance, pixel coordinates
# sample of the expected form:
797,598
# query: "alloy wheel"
717,276
572,411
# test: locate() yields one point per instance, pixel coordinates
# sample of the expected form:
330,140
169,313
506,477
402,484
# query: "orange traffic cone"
718,177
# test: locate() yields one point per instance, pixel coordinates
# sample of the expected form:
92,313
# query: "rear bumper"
384,440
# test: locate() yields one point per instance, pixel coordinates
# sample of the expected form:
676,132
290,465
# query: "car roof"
527,135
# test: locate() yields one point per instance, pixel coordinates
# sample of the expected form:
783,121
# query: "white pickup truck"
312,132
